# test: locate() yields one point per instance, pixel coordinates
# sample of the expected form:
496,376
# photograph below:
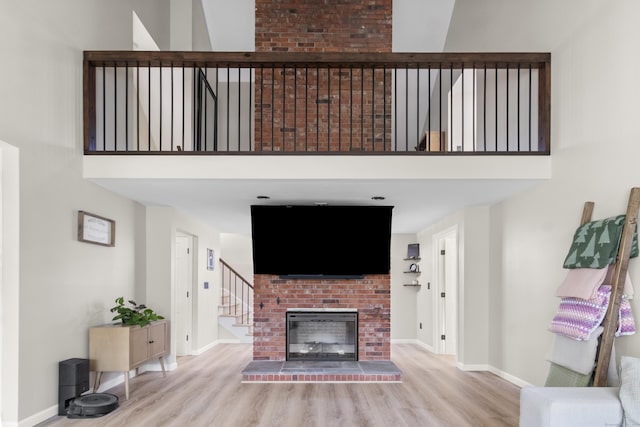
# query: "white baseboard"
472,367
427,347
512,379
35,418
204,349
404,341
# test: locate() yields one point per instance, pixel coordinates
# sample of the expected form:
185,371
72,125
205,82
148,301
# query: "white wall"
231,24
403,298
595,133
65,286
236,250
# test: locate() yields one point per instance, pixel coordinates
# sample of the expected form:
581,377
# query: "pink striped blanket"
577,318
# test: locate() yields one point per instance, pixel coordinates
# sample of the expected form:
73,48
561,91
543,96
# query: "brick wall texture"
322,109
371,296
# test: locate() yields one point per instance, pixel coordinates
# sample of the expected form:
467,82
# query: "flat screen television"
321,241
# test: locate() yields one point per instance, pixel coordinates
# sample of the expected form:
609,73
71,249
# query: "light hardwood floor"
206,390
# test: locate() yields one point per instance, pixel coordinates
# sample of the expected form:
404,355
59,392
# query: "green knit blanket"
595,244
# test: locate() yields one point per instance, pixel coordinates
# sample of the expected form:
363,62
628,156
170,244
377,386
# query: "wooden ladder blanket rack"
616,280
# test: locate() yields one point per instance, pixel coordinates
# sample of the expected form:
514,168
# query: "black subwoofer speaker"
73,380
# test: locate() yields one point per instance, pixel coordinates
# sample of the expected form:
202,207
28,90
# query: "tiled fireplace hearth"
368,299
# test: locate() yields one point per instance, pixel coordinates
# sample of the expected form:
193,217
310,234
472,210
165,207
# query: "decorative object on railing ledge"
316,103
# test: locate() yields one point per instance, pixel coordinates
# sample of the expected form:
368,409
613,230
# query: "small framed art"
210,259
96,229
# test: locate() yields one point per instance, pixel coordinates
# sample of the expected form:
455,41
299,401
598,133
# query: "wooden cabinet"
122,348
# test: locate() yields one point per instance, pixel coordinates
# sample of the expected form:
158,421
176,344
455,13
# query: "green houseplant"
136,314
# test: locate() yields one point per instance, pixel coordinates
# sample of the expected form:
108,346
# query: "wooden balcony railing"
301,103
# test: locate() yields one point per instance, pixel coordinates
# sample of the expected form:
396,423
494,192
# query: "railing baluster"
115,108
450,109
284,108
530,101
462,104
362,108
273,97
306,108
261,105
160,111
228,110
137,107
328,109
317,108
149,106
373,110
406,107
172,71
351,108
239,105
506,108
484,109
496,107
104,109
428,133
340,108
384,107
295,108
440,142
183,109
518,107
126,107
474,76
250,108
417,106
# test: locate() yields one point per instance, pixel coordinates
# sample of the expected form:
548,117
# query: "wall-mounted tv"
321,241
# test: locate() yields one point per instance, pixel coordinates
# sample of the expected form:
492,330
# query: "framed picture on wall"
210,259
96,229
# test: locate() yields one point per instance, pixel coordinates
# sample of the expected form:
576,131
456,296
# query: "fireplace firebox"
330,336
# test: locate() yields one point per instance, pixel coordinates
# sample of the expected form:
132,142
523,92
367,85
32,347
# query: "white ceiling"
225,204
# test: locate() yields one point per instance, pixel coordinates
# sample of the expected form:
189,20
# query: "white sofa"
570,406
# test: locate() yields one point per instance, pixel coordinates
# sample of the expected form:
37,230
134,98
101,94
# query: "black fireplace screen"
322,336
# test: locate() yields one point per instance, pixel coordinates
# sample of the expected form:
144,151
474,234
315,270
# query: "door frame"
438,243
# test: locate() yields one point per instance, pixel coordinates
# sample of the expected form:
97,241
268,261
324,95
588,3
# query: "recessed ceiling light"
321,203
263,197
377,198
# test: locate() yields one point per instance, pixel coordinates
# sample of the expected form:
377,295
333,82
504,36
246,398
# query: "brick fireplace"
370,297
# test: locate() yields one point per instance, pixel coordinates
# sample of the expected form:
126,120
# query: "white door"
445,308
450,286
184,293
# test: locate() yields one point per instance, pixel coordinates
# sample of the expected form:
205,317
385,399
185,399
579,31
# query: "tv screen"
338,241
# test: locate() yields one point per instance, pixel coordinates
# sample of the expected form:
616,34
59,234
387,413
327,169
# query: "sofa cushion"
569,407
630,389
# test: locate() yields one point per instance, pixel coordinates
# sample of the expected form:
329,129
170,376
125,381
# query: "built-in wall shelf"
413,257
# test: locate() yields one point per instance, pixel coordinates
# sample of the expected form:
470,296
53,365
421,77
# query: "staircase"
236,303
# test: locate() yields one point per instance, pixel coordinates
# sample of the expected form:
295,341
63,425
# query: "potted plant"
136,314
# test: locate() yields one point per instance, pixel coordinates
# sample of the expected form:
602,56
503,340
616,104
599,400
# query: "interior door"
184,291
450,289
445,302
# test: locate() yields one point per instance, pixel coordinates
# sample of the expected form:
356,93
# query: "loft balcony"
207,132
417,104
